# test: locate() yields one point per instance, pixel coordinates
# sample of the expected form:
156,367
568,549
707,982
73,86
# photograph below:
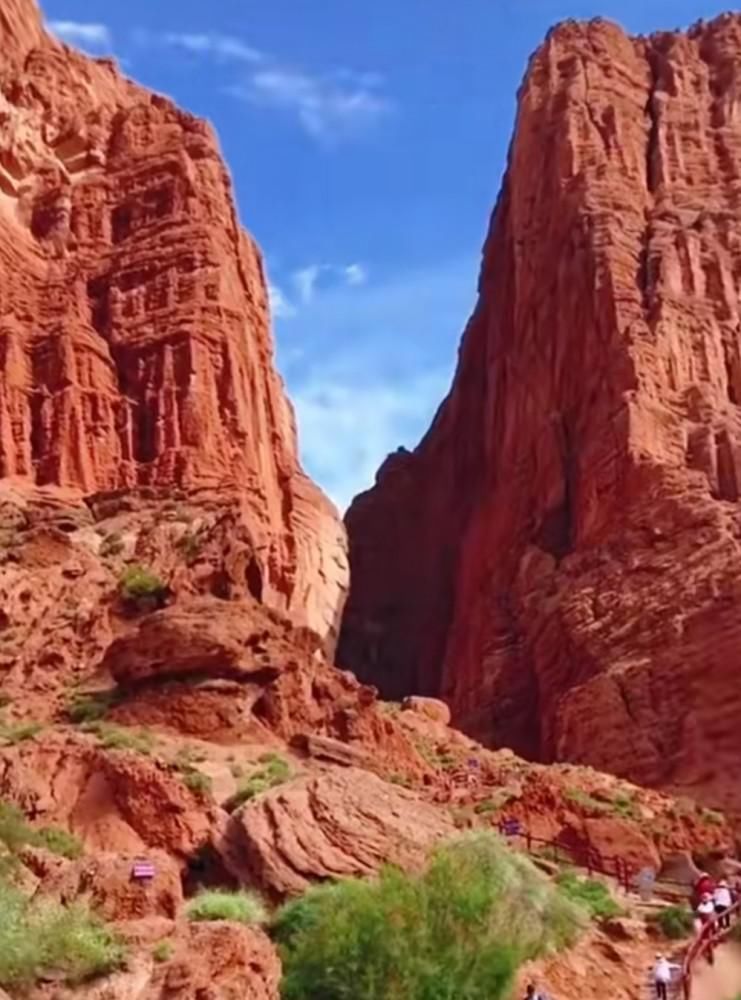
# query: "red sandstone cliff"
559,558
135,348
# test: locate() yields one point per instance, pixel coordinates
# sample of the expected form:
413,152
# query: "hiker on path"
532,994
705,909
703,885
663,976
723,901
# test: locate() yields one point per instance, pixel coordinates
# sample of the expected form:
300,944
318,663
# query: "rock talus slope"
559,556
135,348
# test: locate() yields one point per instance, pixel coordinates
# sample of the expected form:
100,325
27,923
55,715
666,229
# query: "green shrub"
113,737
217,904
586,801
459,930
712,817
592,895
274,771
486,807
59,841
162,951
19,732
674,922
40,937
197,781
625,806
138,583
16,833
90,707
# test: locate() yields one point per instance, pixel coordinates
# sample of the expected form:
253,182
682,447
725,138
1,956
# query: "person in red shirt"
704,886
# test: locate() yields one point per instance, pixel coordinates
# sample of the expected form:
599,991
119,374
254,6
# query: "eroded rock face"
559,557
135,348
342,823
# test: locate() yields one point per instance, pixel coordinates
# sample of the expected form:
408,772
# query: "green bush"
625,806
59,841
16,833
674,922
138,583
274,771
162,951
197,781
19,732
40,937
592,895
586,801
113,737
459,930
90,707
712,817
217,904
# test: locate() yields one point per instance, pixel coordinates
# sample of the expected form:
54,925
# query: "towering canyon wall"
559,558
135,348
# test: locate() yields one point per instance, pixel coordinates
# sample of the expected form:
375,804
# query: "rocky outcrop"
135,348
333,825
558,558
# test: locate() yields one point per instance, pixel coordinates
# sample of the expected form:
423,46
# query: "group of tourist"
714,901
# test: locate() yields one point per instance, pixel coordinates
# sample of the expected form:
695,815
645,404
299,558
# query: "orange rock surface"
558,559
135,347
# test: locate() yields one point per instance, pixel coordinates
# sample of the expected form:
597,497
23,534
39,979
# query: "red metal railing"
711,935
583,857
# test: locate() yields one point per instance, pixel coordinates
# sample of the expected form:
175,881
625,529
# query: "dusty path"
721,981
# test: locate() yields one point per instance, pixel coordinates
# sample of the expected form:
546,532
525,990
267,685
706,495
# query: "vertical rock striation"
135,348
559,558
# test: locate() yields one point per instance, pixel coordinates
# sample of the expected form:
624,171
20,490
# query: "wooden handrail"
711,935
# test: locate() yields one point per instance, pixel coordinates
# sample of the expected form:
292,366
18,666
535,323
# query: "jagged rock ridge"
559,556
135,348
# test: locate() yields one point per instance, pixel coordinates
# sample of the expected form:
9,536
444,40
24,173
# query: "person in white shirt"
723,901
663,976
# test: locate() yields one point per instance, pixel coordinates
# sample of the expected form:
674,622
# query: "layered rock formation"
135,349
559,557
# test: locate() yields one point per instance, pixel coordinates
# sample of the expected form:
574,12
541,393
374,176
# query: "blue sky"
367,143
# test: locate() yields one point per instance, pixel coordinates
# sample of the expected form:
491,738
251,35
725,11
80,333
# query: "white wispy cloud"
94,36
348,423
305,280
327,107
355,274
280,307
214,44
367,367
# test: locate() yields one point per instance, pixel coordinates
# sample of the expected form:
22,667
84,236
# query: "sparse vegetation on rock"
218,904
137,583
273,770
38,936
591,894
674,922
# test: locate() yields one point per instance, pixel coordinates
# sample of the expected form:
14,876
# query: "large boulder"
206,637
341,823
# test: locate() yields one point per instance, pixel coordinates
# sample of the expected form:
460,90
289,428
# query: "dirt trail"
721,981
